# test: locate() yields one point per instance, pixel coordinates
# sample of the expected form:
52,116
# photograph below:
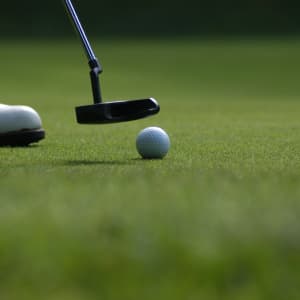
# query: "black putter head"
116,111
106,112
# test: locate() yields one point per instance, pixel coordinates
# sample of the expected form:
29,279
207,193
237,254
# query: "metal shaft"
86,44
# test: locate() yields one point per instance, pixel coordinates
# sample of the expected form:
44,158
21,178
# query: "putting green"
83,217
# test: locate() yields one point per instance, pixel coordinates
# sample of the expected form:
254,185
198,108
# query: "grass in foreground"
82,217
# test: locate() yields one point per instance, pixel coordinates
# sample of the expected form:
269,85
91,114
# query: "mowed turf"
83,217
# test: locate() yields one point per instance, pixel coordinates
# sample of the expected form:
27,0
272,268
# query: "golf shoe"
19,125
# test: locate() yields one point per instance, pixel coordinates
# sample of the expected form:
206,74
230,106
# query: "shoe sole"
21,138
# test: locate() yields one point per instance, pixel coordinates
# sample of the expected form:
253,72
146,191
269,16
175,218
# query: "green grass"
83,217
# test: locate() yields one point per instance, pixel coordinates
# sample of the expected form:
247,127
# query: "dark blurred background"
152,17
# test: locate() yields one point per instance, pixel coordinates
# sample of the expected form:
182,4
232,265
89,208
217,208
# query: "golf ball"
153,142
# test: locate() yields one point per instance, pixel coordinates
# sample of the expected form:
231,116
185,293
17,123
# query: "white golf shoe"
19,125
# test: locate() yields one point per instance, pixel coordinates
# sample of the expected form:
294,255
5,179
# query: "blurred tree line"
152,17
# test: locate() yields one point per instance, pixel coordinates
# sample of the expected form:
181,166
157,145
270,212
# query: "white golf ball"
153,142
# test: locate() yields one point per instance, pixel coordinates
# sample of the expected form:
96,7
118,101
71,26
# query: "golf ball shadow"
153,143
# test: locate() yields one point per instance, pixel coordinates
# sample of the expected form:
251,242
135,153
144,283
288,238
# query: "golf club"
106,112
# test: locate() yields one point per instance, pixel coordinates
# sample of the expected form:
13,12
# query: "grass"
83,217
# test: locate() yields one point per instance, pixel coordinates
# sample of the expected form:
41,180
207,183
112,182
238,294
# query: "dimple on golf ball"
153,142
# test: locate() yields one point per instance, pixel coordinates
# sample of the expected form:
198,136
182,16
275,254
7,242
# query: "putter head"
116,111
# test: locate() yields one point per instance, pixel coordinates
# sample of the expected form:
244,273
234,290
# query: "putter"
106,112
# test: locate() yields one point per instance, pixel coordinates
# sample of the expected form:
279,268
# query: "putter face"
116,111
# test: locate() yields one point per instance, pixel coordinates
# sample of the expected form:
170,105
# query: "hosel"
96,69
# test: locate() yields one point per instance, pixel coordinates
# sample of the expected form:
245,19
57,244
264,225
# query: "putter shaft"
86,44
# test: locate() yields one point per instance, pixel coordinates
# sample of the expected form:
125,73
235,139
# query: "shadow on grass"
140,159
32,146
97,162
129,162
